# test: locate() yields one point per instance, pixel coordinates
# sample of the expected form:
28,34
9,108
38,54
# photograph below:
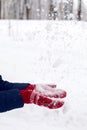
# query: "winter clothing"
10,97
14,95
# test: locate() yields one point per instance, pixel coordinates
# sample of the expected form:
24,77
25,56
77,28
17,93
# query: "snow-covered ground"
46,52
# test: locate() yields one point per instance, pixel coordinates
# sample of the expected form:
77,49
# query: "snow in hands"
46,95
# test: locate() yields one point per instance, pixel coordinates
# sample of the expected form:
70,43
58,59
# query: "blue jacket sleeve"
5,85
10,99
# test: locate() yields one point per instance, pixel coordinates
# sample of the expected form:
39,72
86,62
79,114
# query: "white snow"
46,52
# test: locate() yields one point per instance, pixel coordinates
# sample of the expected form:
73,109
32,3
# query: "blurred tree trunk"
79,9
26,8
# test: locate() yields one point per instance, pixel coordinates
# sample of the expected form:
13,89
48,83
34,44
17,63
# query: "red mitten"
33,95
30,96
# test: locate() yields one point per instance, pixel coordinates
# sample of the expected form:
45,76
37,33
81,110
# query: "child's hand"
43,95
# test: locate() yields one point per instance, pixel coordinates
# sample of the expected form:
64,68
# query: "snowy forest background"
44,9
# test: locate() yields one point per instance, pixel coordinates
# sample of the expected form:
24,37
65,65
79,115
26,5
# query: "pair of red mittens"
43,95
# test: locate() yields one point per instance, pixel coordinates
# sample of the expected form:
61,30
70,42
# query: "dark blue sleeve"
10,99
5,85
